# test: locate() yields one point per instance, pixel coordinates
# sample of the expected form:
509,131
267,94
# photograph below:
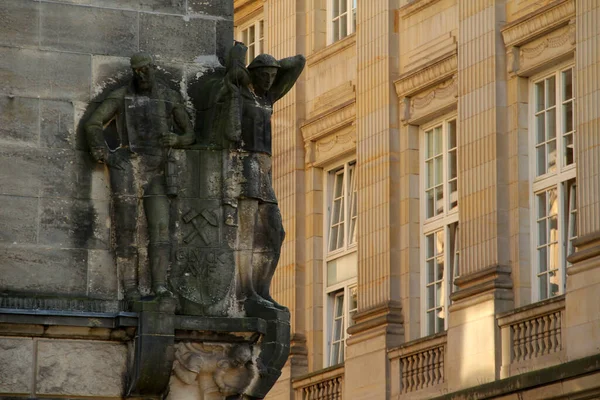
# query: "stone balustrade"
533,337
326,384
419,365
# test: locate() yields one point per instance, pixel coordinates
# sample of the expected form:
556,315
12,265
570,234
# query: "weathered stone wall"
57,58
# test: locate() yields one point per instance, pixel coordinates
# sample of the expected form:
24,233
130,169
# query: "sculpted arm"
94,128
288,74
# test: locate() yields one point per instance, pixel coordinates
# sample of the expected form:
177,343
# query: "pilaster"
285,37
583,276
378,321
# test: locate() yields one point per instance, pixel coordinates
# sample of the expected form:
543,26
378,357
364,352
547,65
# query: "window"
342,19
340,259
439,223
554,186
343,305
253,36
342,209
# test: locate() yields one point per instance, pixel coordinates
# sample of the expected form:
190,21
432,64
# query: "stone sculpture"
141,168
245,109
213,330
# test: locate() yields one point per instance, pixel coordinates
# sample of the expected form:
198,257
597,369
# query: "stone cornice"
331,50
436,71
485,280
544,20
414,7
324,124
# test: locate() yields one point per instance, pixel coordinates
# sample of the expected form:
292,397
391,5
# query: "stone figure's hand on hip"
169,139
114,160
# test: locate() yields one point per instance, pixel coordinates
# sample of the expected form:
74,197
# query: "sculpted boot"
159,257
127,264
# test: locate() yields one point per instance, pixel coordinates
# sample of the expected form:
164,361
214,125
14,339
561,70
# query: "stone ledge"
485,280
330,50
68,318
529,380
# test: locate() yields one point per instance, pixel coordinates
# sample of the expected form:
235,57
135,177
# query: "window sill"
331,49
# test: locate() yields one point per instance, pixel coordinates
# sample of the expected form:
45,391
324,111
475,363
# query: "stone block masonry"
57,59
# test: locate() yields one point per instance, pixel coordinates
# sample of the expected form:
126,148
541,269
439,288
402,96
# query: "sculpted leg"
272,236
247,216
125,209
156,207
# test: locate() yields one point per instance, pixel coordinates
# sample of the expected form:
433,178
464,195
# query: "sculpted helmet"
141,59
264,60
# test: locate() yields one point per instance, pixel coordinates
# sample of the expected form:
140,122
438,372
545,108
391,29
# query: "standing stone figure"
141,169
246,103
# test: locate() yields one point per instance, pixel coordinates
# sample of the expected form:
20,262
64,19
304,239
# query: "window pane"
440,321
540,125
339,180
333,238
550,92
429,172
439,200
251,35
452,134
440,268
429,144
543,285
438,140
567,117
551,146
542,230
543,259
336,7
452,164
541,159
554,281
430,296
539,96
430,322
430,271
439,242
343,26
439,301
553,256
336,30
453,194
439,170
567,84
430,249
343,6
429,203
551,124
541,205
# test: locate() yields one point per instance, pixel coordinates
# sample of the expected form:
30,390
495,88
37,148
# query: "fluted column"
583,276
285,37
378,321
482,136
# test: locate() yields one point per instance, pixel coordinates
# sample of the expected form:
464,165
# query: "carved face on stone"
144,77
263,77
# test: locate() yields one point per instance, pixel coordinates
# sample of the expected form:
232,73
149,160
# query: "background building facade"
437,171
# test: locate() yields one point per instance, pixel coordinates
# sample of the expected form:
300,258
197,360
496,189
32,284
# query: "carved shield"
146,121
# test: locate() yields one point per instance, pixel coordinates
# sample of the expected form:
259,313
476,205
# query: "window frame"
351,10
259,40
558,180
347,285
350,196
331,295
440,222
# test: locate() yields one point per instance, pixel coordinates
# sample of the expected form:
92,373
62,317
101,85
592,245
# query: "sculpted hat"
141,59
264,60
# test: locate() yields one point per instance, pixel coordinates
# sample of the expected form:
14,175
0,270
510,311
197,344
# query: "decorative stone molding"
532,336
545,20
415,109
339,95
436,71
418,365
330,134
441,47
414,6
326,384
331,50
544,50
496,277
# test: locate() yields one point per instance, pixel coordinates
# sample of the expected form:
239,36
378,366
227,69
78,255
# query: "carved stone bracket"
536,24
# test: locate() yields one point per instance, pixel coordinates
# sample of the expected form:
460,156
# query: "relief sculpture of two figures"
192,194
